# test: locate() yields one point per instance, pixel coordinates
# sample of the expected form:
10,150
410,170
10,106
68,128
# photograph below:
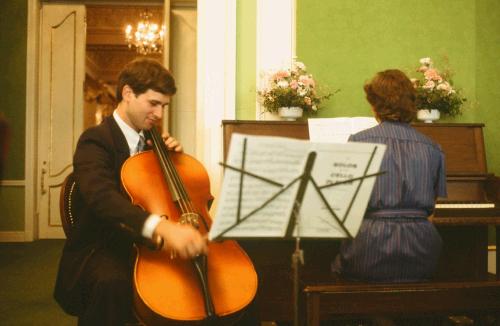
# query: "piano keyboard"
464,205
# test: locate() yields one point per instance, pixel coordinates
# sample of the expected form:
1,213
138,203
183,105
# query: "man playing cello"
94,281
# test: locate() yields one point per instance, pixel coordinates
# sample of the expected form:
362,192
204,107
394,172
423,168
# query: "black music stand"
294,220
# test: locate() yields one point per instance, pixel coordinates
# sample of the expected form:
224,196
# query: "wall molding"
13,236
12,183
32,52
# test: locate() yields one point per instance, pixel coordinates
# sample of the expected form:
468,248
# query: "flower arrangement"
435,90
291,88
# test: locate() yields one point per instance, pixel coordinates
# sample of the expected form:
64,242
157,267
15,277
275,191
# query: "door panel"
62,72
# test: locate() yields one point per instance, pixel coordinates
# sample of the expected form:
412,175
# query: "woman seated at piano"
396,241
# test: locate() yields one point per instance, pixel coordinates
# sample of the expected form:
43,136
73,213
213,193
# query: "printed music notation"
259,201
337,130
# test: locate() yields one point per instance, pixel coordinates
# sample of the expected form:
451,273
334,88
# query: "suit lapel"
120,143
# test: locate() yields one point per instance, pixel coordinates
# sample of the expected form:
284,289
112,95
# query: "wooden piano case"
464,255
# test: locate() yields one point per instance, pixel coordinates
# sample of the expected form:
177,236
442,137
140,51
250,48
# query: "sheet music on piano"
337,130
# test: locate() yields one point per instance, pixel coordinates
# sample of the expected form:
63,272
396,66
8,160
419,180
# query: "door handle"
42,182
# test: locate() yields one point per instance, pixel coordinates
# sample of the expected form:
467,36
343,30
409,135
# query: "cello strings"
185,204
165,168
169,173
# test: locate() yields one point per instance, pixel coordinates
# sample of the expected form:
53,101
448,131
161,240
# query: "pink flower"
294,84
306,80
280,75
432,74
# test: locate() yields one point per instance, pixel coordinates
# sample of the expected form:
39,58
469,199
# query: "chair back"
68,202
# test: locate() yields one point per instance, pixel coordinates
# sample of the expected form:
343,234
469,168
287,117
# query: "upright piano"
464,229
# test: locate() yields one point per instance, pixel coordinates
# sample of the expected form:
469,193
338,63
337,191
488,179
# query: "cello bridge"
190,218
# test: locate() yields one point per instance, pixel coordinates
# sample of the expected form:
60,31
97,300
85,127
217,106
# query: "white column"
275,38
216,81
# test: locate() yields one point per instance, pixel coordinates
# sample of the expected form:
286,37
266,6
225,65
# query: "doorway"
106,52
215,94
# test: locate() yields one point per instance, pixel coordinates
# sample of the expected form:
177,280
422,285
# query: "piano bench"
344,299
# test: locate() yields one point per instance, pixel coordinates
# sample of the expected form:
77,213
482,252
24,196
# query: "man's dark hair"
143,74
392,96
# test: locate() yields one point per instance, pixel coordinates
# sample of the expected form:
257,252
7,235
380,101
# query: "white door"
183,65
60,119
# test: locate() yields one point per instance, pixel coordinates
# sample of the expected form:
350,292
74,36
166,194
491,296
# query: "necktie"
140,144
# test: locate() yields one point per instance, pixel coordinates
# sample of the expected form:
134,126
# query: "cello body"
167,289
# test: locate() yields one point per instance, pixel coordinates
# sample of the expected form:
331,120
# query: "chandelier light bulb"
147,38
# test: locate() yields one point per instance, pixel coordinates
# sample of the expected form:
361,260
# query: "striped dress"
396,242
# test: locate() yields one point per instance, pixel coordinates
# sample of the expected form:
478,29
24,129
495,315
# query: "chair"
69,201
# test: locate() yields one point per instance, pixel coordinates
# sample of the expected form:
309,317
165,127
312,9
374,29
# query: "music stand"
294,221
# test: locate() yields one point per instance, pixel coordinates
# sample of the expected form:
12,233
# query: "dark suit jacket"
107,217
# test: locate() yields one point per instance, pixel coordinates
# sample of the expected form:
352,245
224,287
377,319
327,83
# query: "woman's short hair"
392,96
144,74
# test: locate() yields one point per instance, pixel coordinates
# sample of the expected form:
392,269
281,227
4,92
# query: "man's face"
144,111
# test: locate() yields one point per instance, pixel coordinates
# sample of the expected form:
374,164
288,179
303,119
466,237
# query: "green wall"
13,37
344,43
245,60
488,77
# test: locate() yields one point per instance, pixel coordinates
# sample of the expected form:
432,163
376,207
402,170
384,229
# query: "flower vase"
290,113
270,116
428,116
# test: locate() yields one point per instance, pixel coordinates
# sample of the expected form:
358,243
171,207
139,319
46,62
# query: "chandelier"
148,36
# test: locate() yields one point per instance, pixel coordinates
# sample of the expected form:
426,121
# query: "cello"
209,289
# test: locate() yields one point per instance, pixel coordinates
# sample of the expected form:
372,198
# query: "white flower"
429,85
302,92
426,61
444,86
314,108
299,65
283,84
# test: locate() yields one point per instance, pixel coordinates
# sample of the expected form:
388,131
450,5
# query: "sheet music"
283,160
277,158
337,130
334,163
